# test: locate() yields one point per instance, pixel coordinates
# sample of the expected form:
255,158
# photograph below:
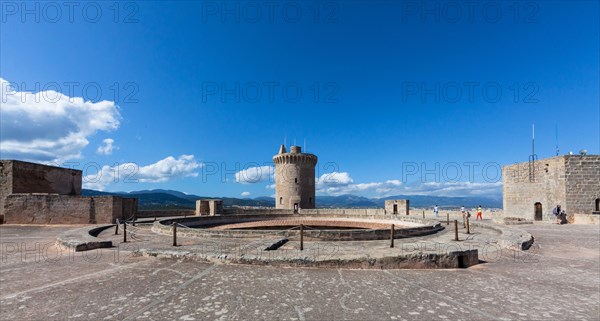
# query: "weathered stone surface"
401,207
573,181
65,209
84,239
209,207
557,280
294,179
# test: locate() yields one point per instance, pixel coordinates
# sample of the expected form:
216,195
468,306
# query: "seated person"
559,214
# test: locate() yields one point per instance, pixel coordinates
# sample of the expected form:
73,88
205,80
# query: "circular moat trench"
322,228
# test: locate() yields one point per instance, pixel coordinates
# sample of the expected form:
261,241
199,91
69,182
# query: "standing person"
464,213
436,211
479,213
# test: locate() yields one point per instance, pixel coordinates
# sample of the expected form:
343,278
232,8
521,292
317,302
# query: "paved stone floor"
558,279
142,237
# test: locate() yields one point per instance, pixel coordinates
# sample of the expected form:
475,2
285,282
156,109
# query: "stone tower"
294,178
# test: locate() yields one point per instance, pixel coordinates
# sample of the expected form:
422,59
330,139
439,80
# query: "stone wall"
24,177
583,183
573,181
402,207
209,207
64,209
548,188
164,213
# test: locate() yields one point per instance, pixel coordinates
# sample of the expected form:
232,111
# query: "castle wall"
548,188
24,177
582,183
402,207
64,209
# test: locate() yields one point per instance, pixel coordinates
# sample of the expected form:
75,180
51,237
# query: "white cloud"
245,194
342,183
255,174
335,179
50,126
161,171
107,147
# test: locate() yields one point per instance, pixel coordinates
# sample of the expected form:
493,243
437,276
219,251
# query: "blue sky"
394,97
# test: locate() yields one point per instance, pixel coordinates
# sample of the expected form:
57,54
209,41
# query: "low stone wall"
452,260
164,213
254,211
164,227
84,239
343,211
585,219
65,209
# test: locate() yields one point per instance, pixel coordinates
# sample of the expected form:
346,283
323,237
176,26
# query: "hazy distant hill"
160,198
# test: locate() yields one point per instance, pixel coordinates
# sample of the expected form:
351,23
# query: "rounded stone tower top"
294,156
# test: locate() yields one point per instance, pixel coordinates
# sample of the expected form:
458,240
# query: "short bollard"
392,236
124,232
133,222
174,234
154,218
455,230
423,214
117,228
301,237
468,227
447,219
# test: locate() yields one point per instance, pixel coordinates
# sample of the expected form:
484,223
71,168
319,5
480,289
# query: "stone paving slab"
558,280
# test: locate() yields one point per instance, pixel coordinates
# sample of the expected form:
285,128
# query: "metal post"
468,227
392,236
301,237
133,222
447,218
455,230
117,227
423,214
154,218
174,234
124,232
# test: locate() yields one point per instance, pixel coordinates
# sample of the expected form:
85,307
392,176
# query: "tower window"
296,180
281,200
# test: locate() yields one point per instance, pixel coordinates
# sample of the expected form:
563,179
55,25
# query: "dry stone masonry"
40,194
532,190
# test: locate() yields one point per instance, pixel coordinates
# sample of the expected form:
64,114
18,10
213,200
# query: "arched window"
310,200
296,180
598,205
281,200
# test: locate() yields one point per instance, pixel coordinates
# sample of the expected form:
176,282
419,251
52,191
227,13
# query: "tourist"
559,214
436,211
479,213
463,212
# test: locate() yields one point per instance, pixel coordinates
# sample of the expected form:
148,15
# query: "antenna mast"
533,156
556,140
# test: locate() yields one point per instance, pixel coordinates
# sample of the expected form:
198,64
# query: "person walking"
479,213
464,213
436,211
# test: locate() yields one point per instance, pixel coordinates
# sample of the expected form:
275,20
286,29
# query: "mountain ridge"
171,199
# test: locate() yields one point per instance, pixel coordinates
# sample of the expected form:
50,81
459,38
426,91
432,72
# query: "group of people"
558,213
464,212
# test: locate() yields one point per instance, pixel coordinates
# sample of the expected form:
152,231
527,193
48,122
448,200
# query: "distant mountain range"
170,199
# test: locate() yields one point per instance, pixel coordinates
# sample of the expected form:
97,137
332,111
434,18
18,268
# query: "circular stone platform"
322,228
